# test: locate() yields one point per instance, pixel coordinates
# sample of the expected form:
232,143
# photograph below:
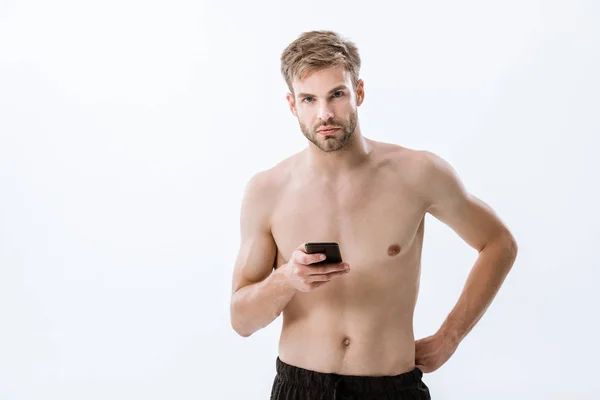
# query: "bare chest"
375,221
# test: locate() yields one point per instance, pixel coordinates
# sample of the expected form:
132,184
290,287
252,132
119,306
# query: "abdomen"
345,330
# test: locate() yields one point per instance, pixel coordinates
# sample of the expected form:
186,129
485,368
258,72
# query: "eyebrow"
335,89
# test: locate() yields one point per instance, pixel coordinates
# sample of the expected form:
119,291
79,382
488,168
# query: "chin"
331,146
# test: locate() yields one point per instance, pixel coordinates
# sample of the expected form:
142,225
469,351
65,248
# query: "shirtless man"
347,330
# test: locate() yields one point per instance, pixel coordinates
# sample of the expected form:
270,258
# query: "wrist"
282,275
449,336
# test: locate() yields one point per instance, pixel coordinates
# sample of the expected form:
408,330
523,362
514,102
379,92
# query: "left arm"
478,225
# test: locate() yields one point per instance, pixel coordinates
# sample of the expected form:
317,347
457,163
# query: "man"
348,327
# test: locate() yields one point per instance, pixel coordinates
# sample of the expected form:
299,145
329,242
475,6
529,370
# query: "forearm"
255,306
491,268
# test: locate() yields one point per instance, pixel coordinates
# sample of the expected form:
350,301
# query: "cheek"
343,109
306,117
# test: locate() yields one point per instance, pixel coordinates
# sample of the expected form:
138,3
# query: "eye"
307,98
338,92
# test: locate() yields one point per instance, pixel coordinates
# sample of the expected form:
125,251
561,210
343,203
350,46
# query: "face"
325,104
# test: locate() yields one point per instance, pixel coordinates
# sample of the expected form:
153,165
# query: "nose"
325,113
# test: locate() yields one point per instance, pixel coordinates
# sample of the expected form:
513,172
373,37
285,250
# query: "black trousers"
294,383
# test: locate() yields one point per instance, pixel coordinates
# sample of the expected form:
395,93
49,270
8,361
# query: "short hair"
317,50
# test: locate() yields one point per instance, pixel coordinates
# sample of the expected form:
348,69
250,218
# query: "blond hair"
316,50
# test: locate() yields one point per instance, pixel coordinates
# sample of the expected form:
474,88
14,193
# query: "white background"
128,130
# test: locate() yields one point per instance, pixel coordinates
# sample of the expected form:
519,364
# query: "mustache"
328,126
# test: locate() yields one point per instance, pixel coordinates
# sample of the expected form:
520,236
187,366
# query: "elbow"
242,333
505,245
240,330
512,247
235,322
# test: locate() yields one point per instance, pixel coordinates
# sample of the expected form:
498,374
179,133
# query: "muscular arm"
259,294
477,224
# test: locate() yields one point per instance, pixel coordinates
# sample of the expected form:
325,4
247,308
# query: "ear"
360,92
292,104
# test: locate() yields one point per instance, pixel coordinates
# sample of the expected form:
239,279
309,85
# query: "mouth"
326,131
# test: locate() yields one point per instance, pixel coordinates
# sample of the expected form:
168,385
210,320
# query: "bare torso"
360,323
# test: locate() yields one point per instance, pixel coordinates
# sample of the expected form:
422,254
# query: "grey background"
128,130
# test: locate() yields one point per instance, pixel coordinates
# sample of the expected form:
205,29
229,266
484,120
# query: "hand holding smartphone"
305,270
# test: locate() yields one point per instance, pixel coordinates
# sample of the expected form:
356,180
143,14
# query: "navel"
394,250
346,342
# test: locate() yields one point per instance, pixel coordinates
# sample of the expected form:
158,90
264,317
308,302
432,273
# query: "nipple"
394,250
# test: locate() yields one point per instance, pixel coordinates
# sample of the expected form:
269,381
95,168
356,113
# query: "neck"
334,164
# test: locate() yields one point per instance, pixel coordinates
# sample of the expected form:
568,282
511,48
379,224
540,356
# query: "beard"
336,141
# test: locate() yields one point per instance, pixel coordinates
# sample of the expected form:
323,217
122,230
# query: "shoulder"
438,183
429,175
415,165
264,187
271,180
431,166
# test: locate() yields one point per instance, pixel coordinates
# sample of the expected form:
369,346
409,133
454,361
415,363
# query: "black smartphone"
330,249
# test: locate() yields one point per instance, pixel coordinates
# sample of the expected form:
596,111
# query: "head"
321,70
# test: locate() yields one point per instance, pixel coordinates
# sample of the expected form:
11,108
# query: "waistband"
355,383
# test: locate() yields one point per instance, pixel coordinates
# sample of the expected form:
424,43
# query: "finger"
326,277
316,285
329,268
303,258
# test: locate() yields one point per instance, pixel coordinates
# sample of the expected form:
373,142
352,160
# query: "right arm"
259,294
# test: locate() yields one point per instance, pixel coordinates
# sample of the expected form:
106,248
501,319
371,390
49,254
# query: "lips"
327,130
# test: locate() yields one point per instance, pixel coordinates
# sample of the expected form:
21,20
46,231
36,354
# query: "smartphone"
330,249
